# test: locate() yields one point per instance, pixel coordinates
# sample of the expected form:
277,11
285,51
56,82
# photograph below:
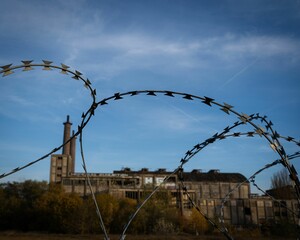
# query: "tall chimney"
73,151
67,132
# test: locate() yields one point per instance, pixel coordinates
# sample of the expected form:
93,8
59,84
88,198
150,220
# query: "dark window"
247,211
283,203
131,194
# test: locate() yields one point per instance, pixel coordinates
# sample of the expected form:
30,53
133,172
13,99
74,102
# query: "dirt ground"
41,236
44,236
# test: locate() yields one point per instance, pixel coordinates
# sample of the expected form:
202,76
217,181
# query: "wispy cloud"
20,101
135,51
261,46
91,43
176,120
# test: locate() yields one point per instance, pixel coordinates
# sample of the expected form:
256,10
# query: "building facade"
210,191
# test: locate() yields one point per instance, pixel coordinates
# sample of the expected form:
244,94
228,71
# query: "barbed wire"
86,116
267,132
250,179
179,171
271,135
191,153
64,69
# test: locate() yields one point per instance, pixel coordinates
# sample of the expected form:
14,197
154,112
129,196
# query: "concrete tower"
63,165
67,134
73,152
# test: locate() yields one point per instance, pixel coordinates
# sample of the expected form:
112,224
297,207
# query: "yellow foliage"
198,223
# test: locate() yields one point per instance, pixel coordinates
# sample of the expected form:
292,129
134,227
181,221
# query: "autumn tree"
59,211
125,209
18,204
156,216
198,223
39,206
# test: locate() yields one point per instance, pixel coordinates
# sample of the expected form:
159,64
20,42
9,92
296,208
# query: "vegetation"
281,186
33,206
280,179
37,206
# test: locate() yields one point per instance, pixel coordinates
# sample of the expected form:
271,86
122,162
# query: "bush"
196,223
285,229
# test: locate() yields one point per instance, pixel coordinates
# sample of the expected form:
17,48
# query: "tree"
156,216
18,204
280,179
197,223
108,206
126,207
59,211
281,187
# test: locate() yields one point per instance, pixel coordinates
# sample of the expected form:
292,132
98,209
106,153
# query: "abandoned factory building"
206,189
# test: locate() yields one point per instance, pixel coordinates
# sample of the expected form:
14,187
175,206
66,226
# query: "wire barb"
270,135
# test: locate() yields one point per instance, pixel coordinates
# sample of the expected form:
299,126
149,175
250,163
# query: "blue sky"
244,53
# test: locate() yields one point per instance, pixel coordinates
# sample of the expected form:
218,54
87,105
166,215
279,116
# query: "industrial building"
206,189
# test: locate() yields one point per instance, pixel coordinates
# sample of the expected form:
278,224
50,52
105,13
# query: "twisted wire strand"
224,200
47,65
191,153
222,230
84,166
252,180
221,136
270,135
145,201
174,172
275,144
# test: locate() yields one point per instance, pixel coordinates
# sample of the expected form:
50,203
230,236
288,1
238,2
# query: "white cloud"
91,43
20,100
260,46
112,54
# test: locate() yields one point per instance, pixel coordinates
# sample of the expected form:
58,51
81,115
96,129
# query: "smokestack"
73,151
67,132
